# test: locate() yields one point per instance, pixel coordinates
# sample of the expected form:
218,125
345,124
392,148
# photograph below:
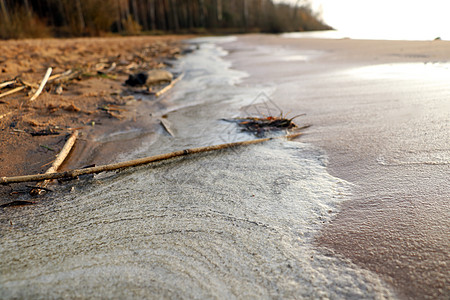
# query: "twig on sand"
6,83
56,76
136,162
26,84
40,187
41,86
169,86
17,89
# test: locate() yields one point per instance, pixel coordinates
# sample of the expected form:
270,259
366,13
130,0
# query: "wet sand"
386,131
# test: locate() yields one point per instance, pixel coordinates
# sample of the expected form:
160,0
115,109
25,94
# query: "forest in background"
73,18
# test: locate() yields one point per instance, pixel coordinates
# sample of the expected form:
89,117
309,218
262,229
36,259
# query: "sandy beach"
357,207
89,95
379,110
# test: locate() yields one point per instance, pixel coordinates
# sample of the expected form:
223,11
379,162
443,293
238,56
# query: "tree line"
36,18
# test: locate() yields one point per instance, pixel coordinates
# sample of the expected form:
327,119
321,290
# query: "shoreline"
353,119
223,224
382,134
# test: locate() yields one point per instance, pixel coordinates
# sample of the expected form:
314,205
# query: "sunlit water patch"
295,58
422,72
365,34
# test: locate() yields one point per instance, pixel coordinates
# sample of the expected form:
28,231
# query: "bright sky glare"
388,19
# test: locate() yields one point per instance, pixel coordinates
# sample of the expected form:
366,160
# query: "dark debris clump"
262,126
138,79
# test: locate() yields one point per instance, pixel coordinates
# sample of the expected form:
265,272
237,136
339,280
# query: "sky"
390,19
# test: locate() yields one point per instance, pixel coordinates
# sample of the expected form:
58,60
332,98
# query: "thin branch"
136,162
56,76
29,84
6,83
40,187
41,86
17,89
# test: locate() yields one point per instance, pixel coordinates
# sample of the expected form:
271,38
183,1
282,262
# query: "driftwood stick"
136,162
40,187
41,86
10,92
6,83
169,86
56,76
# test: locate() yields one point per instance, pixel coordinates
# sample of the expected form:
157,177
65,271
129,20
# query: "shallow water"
237,223
385,128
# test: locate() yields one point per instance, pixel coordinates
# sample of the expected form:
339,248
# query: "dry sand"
386,130
90,102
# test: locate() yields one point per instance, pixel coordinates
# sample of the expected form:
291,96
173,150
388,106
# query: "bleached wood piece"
57,163
10,92
41,86
6,83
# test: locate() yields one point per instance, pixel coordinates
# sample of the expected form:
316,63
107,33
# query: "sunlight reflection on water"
405,71
366,35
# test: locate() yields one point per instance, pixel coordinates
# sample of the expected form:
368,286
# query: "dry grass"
23,25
